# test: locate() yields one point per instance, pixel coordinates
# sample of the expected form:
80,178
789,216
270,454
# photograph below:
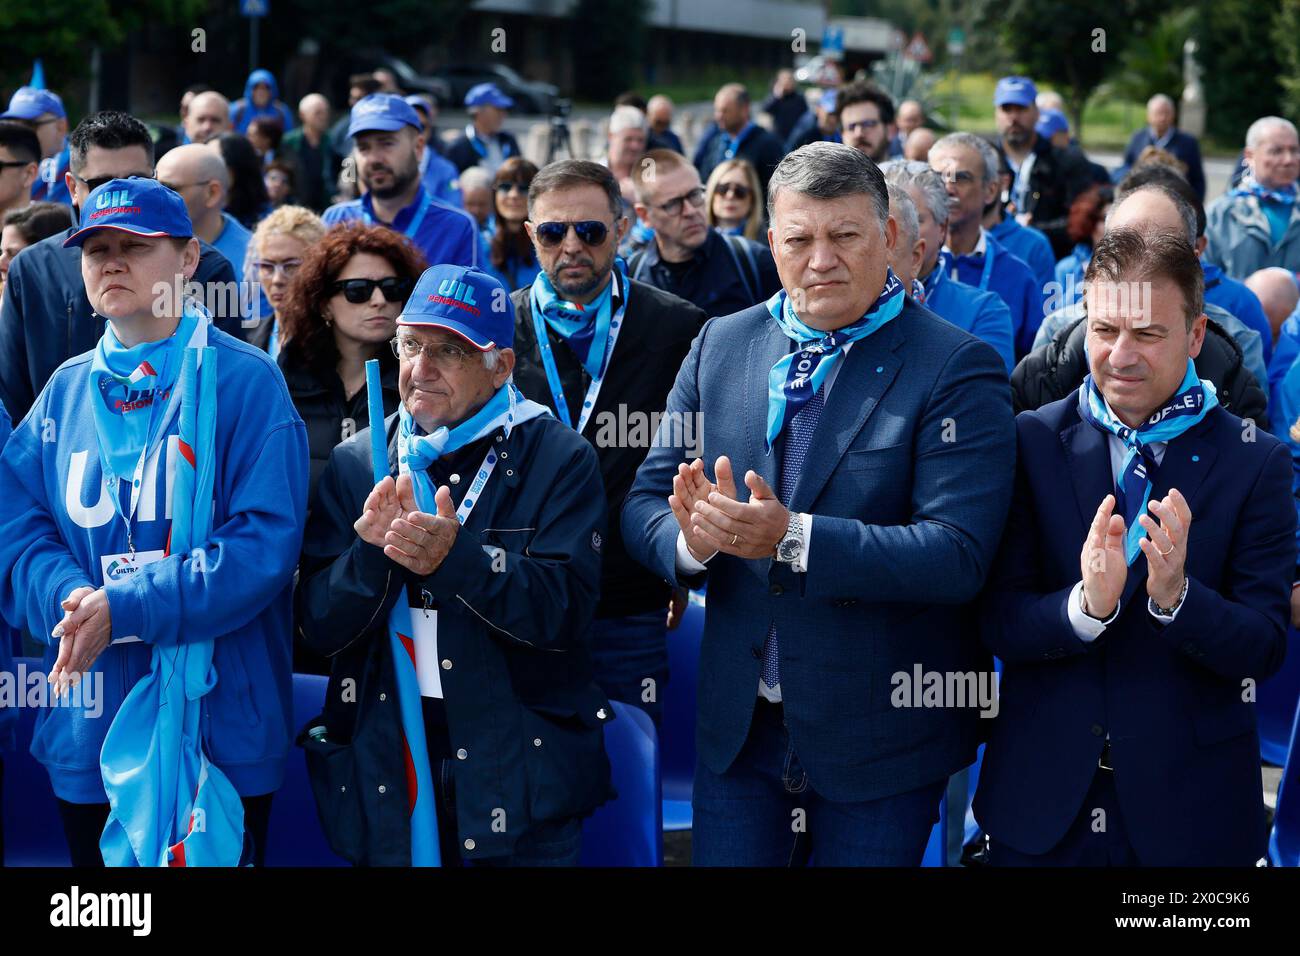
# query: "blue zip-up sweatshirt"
56,523
446,234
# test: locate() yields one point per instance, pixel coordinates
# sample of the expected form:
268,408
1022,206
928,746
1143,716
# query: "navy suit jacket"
1182,145
1183,740
908,481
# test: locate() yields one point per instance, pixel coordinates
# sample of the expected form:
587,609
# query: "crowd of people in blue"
916,401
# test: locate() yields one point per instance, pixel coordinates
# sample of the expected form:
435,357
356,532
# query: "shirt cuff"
686,563
1086,628
1168,618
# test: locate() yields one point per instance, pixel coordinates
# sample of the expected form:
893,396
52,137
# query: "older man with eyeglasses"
455,596
601,351
689,258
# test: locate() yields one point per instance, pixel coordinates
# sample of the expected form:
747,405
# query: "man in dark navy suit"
861,458
1142,589
1162,132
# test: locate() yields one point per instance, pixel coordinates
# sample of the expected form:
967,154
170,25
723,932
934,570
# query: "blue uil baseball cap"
386,112
1015,91
141,206
1051,122
463,300
29,103
487,94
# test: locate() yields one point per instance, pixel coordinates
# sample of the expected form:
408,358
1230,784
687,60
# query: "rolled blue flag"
375,399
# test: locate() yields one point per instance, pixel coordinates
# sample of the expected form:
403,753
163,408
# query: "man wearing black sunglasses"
601,351
689,258
46,318
42,112
20,157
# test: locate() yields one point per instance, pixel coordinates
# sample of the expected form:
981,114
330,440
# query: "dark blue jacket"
761,148
905,525
46,318
1182,145
726,274
1171,697
520,701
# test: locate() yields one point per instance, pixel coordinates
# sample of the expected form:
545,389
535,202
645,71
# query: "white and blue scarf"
797,376
584,327
1190,404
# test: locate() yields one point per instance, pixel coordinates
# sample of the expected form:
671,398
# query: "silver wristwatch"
790,548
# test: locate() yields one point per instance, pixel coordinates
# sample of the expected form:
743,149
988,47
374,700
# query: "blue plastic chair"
1284,841
936,851
33,829
679,715
294,836
628,831
1275,704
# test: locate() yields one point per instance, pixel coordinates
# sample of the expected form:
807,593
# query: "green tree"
609,44
1240,69
1073,47
1152,62
62,32
1286,34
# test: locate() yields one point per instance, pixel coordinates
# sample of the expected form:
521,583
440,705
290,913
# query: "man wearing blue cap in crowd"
389,140
437,173
1046,178
484,142
43,112
820,123
86,501
47,317
455,597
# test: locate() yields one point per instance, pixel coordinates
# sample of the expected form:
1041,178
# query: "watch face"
789,549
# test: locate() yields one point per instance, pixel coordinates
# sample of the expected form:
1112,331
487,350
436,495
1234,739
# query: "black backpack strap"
739,247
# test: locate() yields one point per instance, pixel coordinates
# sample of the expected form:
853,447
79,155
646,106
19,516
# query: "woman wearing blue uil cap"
93,484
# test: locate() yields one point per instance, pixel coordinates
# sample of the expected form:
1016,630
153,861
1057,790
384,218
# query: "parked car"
408,78
529,96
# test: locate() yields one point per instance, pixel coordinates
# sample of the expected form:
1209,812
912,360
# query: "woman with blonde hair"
733,197
275,253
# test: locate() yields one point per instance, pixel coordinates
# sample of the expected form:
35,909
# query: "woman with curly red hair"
1085,226
341,310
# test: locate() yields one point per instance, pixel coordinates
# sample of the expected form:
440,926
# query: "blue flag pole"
375,400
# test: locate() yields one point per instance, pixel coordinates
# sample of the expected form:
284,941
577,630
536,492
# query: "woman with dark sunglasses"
732,200
511,252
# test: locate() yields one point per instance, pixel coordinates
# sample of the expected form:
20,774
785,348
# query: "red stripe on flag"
412,781
148,369
188,452
178,854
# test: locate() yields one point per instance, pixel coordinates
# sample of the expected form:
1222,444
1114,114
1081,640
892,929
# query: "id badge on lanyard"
553,372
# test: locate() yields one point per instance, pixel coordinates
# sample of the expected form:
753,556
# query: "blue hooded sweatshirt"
243,112
59,531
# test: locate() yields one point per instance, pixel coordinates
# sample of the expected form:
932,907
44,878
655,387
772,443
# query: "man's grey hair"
1261,126
1162,98
1185,211
626,117
910,173
829,171
903,210
476,177
491,358
982,147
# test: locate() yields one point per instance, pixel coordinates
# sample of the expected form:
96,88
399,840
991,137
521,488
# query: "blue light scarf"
132,392
169,804
1190,404
796,377
584,327
1248,187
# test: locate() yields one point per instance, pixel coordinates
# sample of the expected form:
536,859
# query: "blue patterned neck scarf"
416,451
132,392
584,327
1190,404
797,376
1285,196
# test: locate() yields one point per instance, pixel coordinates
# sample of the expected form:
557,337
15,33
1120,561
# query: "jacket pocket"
1217,724
332,770
568,772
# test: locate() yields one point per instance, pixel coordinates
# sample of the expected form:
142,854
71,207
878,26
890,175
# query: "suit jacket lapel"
869,368
1087,457
764,351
